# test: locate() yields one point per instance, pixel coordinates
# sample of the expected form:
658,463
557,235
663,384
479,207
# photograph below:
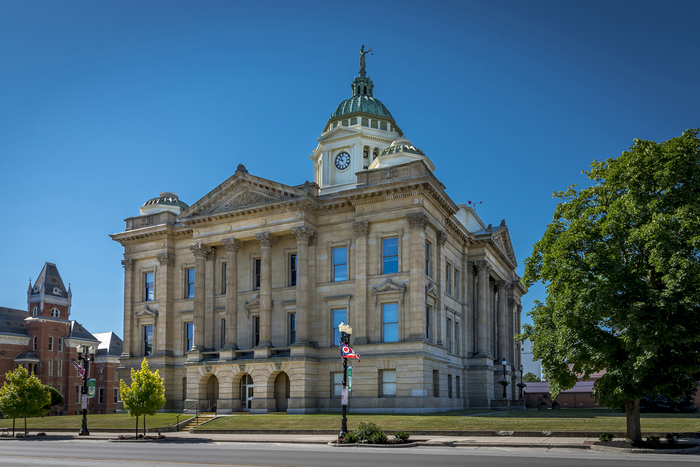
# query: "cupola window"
55,313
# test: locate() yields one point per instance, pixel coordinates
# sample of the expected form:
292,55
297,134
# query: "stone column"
232,246
210,299
483,307
518,317
417,222
164,284
503,337
440,323
303,235
201,253
128,308
361,230
266,240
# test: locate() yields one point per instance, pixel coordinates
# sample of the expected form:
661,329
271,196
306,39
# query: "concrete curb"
333,444
611,449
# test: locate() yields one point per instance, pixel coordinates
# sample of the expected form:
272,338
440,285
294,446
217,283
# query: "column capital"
128,264
303,234
202,251
231,244
441,237
417,220
520,308
502,285
266,239
166,259
361,228
482,265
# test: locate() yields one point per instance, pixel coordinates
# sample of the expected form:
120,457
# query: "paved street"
91,452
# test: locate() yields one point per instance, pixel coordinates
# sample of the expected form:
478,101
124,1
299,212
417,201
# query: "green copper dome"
362,103
166,198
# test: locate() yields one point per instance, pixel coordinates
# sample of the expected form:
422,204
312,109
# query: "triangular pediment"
336,133
502,239
146,312
431,291
254,303
387,288
239,191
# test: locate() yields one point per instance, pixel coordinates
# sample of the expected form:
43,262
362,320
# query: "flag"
347,352
80,369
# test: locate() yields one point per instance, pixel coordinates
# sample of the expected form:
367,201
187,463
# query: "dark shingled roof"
110,345
12,321
77,331
48,280
24,356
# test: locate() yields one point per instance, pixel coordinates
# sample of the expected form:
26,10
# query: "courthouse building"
237,298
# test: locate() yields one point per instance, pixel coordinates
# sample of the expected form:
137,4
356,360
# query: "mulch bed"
628,445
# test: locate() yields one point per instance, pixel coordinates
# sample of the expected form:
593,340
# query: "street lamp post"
345,332
504,381
521,385
85,357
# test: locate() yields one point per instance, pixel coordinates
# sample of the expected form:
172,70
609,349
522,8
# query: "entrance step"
196,421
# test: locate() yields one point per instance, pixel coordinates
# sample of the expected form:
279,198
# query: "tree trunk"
634,427
25,426
13,427
144,425
137,426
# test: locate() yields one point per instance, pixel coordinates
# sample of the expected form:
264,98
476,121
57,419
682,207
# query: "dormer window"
56,291
55,313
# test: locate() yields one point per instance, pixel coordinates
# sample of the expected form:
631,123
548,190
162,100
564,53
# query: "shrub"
672,438
653,441
402,435
350,438
365,431
378,438
605,437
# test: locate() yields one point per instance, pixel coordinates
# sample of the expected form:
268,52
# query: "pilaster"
417,222
266,241
303,236
201,253
165,293
361,230
232,246
128,265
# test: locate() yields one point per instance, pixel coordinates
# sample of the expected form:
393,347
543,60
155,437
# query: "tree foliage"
23,395
56,397
530,377
146,395
621,264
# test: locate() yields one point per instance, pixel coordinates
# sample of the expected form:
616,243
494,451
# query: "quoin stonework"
237,298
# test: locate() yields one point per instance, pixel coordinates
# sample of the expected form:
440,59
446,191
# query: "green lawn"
533,420
105,421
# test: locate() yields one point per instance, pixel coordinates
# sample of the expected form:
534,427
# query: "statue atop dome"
363,52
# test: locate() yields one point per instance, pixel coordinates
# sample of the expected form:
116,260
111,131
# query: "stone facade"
236,299
43,339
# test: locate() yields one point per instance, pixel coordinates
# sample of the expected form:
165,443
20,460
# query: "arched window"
34,341
35,311
55,313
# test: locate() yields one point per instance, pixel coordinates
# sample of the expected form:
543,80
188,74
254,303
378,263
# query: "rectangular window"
428,312
449,386
292,328
292,270
388,383
50,343
428,262
222,329
223,278
339,316
456,285
390,322
115,395
59,367
50,367
77,394
101,395
436,383
457,348
390,255
256,273
189,283
189,336
34,342
448,278
60,344
147,340
458,392
448,335
256,330
148,289
337,384
340,264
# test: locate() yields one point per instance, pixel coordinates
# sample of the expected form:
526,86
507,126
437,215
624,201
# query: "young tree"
23,395
531,378
621,263
145,396
56,397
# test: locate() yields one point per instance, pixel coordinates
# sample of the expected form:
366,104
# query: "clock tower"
355,135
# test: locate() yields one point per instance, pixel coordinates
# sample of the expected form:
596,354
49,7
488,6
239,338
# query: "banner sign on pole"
350,378
92,388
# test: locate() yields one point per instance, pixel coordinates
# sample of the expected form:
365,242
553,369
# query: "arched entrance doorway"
246,392
211,393
281,392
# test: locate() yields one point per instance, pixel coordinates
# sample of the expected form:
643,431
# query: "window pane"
391,246
391,332
391,312
189,292
148,340
390,318
388,382
337,384
292,270
340,273
340,256
338,317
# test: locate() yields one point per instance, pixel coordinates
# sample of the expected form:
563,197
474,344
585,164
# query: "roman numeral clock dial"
342,161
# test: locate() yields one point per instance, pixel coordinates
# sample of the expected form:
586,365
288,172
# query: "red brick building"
43,339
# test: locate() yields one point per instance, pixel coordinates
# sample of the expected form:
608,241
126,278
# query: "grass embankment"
550,420
104,421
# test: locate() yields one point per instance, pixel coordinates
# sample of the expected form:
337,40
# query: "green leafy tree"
531,378
621,263
145,396
56,397
23,395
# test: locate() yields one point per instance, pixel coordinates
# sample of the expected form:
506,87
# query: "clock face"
342,161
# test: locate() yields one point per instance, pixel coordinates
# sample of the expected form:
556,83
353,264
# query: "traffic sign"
344,397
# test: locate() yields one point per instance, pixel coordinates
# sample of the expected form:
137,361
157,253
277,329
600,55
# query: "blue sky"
105,104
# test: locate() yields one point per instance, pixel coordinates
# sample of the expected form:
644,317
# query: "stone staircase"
196,421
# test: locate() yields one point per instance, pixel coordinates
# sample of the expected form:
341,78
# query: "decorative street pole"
85,358
521,385
504,381
345,332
